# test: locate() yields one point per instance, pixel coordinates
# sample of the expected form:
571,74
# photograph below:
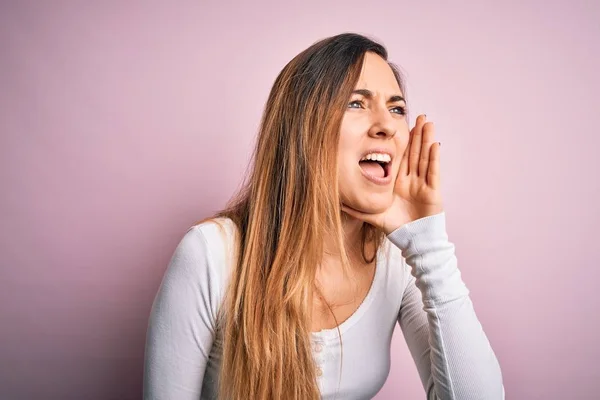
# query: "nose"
383,125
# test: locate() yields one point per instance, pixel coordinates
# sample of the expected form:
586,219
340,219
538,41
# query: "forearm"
455,360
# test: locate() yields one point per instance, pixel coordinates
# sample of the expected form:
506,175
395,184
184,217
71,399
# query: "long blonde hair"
286,207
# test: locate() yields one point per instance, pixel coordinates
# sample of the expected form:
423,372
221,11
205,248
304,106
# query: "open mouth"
376,165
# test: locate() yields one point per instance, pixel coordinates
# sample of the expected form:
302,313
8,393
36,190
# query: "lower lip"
376,180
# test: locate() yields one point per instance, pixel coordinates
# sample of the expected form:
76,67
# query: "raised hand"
417,187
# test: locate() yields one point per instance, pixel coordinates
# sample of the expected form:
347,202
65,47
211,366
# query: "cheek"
353,130
403,136
347,162
348,176
402,141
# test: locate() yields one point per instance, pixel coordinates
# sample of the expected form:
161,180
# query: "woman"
293,292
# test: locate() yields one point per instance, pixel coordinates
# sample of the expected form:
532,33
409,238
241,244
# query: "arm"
181,327
446,340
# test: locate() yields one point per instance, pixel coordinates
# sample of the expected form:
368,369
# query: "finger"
404,167
433,173
428,133
415,146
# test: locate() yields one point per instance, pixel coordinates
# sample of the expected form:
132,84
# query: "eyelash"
402,109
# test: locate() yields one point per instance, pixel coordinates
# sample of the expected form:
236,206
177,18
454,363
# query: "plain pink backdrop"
123,124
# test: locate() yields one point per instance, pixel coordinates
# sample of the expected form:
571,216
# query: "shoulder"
211,246
218,234
198,271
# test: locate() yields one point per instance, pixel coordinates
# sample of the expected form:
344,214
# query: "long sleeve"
181,327
446,340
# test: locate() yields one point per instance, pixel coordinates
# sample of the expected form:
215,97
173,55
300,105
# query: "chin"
373,203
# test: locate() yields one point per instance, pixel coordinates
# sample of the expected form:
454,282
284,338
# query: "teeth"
386,158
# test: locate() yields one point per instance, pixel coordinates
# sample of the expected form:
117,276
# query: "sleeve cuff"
423,230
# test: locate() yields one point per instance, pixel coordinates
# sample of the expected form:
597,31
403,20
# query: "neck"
351,228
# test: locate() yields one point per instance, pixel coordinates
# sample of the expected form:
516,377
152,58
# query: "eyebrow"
369,95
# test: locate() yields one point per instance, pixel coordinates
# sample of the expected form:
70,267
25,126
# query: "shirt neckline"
332,333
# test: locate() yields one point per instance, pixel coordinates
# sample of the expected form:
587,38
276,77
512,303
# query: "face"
373,136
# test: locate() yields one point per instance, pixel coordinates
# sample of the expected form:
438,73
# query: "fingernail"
440,143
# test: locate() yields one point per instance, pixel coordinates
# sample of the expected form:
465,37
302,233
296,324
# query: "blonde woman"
338,234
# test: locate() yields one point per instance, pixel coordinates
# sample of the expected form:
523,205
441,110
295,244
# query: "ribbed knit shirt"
416,284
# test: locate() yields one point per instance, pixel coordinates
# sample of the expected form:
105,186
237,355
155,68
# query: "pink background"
122,124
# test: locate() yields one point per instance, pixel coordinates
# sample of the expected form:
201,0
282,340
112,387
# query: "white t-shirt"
417,284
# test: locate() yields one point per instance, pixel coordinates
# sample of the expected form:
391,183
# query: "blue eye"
394,110
400,110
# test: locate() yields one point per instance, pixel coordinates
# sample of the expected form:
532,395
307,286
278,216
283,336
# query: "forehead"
377,76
